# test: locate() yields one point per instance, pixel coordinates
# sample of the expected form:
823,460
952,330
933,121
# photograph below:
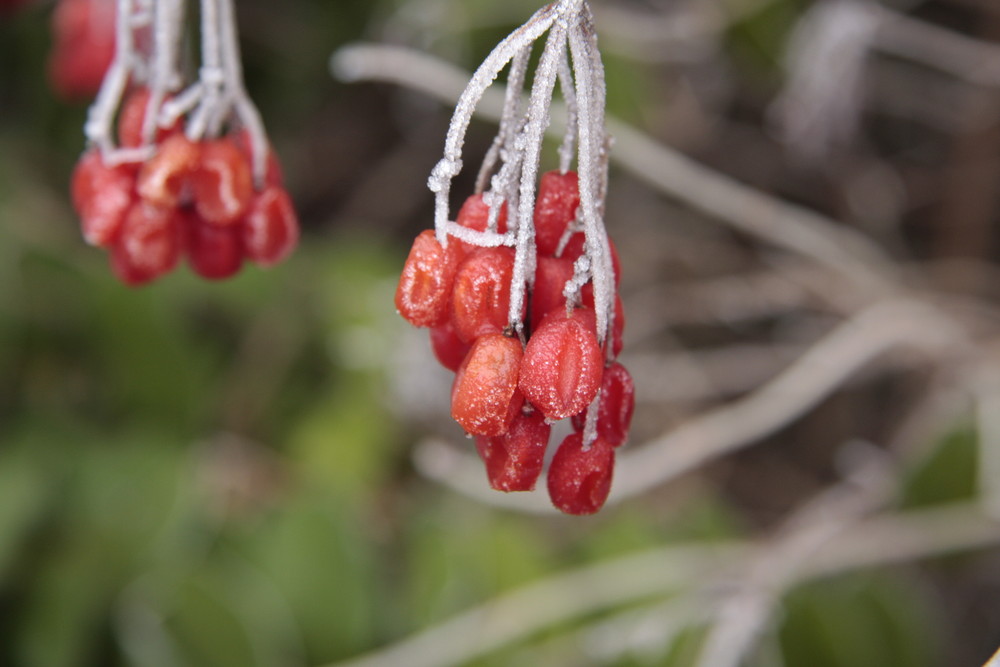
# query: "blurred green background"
219,475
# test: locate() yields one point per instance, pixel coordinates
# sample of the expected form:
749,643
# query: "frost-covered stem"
509,120
572,115
589,74
450,165
101,115
246,110
534,135
211,76
164,78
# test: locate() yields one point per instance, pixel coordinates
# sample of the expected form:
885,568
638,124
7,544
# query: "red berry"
555,207
580,477
270,229
515,460
575,248
149,244
101,196
551,276
83,46
165,176
562,366
133,117
484,398
615,407
481,296
222,184
422,296
448,347
214,252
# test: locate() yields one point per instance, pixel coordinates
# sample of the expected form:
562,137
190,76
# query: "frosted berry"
221,184
551,276
555,207
579,477
214,252
149,244
615,407
101,196
449,349
515,460
164,178
270,229
562,366
481,295
484,398
273,174
424,290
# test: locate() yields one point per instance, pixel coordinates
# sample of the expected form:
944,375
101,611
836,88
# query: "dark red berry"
214,252
448,347
133,117
515,460
579,477
615,407
555,207
551,276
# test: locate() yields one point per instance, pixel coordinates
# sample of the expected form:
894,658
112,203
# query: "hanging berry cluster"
519,292
189,171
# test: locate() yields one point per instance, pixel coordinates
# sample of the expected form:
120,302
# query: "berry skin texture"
514,461
164,178
101,196
481,297
214,252
562,366
448,347
424,290
270,230
579,478
615,407
555,207
484,398
149,244
222,184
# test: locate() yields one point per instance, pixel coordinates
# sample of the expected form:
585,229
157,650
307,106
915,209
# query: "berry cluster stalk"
569,56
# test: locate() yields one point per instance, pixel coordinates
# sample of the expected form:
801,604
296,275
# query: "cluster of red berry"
507,394
193,198
83,45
